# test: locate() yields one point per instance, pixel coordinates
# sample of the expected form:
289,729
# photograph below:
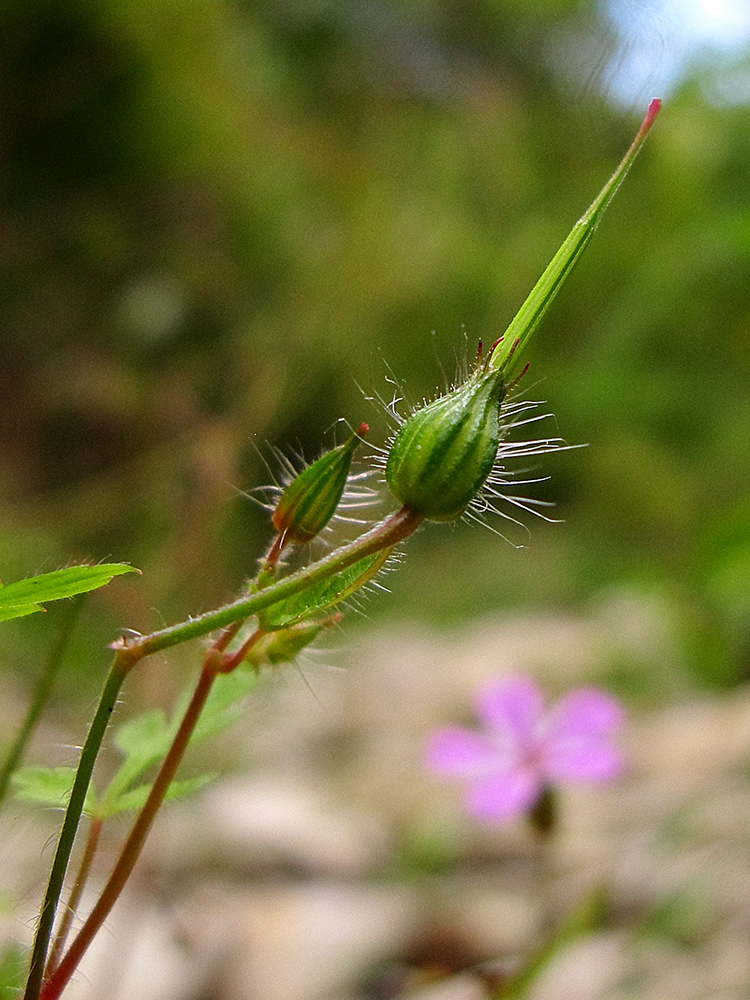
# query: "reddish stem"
275,551
134,844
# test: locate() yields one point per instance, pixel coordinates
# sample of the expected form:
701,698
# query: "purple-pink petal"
584,714
502,795
512,710
584,762
454,751
521,748
578,741
586,711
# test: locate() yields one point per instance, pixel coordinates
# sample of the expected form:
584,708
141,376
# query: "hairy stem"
107,702
129,652
388,533
134,844
92,842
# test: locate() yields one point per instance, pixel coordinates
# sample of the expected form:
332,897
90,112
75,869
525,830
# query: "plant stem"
117,674
92,842
133,845
388,533
129,652
42,692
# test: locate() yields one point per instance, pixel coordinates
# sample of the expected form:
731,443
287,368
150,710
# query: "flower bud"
309,502
444,452
284,646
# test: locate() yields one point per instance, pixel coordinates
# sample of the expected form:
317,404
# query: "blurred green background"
225,223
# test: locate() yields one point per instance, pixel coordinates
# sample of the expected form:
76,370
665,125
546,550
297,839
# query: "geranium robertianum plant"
442,458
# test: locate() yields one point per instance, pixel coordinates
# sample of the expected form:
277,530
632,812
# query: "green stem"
507,353
134,844
117,674
92,842
42,692
388,533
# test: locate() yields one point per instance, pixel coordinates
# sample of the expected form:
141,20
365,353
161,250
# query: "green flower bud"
284,646
444,452
309,502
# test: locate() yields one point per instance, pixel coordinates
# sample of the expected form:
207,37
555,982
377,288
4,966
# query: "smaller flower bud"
285,646
444,452
309,502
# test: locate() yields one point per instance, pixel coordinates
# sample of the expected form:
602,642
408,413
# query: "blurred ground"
328,865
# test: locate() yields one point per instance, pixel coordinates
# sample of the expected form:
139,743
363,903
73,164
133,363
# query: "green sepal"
285,645
309,502
322,595
444,452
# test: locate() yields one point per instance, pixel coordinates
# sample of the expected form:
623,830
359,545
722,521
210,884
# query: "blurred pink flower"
522,749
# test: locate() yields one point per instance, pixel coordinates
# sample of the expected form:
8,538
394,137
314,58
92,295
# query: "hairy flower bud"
309,502
284,646
444,452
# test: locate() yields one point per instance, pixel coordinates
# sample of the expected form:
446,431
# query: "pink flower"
522,749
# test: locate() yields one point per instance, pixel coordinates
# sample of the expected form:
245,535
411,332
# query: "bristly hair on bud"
441,456
309,498
452,456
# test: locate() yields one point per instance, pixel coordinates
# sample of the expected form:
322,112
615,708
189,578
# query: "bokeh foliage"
220,219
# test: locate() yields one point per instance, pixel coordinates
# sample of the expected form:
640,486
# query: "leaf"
145,740
225,703
25,596
12,968
49,786
19,611
136,797
321,595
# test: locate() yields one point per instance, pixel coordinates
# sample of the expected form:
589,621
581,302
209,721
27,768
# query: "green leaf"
19,611
321,595
136,797
12,970
225,703
25,596
145,740
49,786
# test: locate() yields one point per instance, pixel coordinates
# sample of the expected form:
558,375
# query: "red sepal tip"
653,110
